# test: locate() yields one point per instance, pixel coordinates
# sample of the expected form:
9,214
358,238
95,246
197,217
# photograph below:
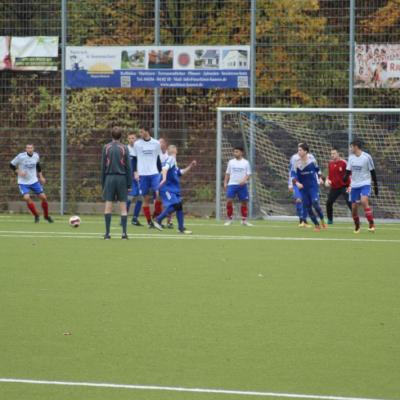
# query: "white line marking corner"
182,389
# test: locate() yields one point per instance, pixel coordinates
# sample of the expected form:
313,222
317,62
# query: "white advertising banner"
377,66
5,60
158,66
38,53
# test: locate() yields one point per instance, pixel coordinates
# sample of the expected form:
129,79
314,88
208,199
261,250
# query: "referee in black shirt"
116,179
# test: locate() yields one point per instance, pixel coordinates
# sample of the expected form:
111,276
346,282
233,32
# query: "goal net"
270,138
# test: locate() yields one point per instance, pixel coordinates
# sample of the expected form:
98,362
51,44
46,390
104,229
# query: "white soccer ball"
327,183
74,221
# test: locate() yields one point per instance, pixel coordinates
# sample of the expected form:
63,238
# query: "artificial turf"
266,308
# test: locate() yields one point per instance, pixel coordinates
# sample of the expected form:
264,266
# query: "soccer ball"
327,183
74,221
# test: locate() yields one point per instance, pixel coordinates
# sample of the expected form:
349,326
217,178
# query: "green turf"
252,313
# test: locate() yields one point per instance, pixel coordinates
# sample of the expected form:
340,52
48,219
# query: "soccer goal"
270,137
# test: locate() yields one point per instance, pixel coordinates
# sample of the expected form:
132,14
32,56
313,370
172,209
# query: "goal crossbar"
312,110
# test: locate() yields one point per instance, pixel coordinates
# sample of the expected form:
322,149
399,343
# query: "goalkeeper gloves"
376,190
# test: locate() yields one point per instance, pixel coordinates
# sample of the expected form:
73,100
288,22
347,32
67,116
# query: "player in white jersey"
362,169
30,179
147,167
235,184
164,150
134,195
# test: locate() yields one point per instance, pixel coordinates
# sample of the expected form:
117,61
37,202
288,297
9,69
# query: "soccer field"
270,311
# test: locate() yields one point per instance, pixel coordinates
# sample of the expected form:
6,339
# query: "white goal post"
270,136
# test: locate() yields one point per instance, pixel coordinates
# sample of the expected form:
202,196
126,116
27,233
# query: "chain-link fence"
302,59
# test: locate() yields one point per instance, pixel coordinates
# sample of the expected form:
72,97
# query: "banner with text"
37,53
377,66
158,66
5,60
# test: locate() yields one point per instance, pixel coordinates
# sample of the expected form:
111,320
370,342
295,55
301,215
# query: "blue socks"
179,217
299,210
165,213
312,216
318,209
138,207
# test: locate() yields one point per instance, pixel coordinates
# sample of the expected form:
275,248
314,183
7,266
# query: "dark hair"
357,143
304,146
335,148
116,132
239,148
145,127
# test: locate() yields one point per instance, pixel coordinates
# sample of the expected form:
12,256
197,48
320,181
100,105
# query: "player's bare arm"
164,172
245,180
189,167
226,180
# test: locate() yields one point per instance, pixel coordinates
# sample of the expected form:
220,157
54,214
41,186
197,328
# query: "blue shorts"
35,188
309,196
236,190
149,183
356,193
170,198
135,191
297,193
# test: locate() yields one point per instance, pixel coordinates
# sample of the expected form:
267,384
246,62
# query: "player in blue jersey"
297,197
306,177
27,167
170,190
134,195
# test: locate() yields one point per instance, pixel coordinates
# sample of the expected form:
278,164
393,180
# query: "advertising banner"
39,53
377,66
5,60
158,66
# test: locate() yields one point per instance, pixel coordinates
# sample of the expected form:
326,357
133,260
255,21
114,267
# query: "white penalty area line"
167,236
182,389
261,225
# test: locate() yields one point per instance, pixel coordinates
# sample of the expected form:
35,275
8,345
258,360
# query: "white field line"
182,389
97,235
262,225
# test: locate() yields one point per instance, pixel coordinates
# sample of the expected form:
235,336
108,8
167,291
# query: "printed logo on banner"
125,81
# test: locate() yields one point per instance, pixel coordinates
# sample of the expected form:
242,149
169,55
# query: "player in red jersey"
337,171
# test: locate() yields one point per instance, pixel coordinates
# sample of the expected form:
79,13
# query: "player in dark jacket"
116,179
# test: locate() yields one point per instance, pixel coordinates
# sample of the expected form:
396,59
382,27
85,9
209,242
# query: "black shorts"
115,188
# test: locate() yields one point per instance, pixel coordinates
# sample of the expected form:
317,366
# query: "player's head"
335,154
145,132
131,138
163,145
238,152
172,150
29,148
116,132
303,149
356,146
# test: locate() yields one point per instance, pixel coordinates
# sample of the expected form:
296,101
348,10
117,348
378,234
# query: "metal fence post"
252,155
156,90
351,66
218,167
63,133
